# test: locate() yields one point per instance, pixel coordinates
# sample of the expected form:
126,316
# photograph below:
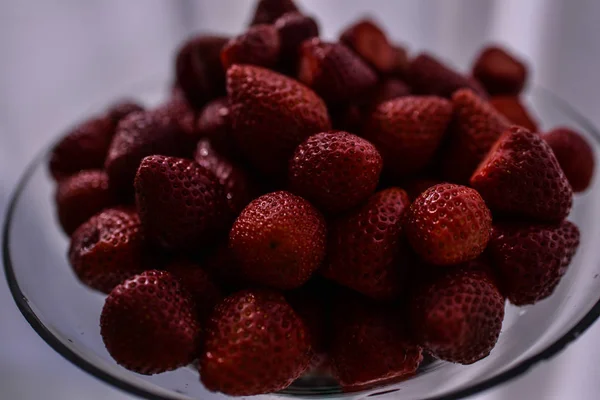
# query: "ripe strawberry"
255,344
180,110
429,76
271,115
148,324
475,127
366,250
407,131
512,108
182,205
268,11
198,69
531,259
448,224
140,135
458,317
521,177
84,147
108,248
402,63
81,196
388,89
214,123
370,42
279,240
334,71
293,29
121,109
575,156
259,45
335,170
500,72
415,187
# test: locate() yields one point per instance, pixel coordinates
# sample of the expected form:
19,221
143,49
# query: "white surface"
57,57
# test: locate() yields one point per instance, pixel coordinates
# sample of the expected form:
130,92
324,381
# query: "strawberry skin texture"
500,72
255,344
370,42
335,170
148,324
531,259
521,177
271,115
448,224
458,317
514,110
268,11
259,45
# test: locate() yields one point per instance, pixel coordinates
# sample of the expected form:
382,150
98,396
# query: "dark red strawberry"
259,45
334,71
407,131
388,89
81,196
271,115
214,123
448,224
475,127
370,42
182,205
123,108
335,170
500,72
402,62
366,250
575,156
293,29
531,259
268,11
458,317
181,111
108,248
198,69
279,240
521,177
255,344
148,324
512,108
415,187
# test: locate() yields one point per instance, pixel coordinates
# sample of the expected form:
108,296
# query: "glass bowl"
66,314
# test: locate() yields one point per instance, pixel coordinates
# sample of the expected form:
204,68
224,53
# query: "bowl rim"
65,351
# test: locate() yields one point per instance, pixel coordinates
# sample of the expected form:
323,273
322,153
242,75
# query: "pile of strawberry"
299,204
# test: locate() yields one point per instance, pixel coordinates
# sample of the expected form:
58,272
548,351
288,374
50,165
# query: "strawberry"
255,343
407,131
198,69
366,250
82,195
293,29
402,63
458,316
575,156
334,71
512,108
148,324
370,42
415,187
521,177
475,127
121,109
335,170
271,115
388,89
500,72
214,123
268,11
278,240
180,110
259,45
448,224
531,259
108,248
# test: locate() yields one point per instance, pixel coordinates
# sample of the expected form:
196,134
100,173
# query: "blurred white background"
59,57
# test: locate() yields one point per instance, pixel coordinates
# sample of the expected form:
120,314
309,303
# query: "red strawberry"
107,249
370,42
531,259
267,11
448,224
408,130
182,205
293,29
271,115
458,317
82,195
180,110
214,123
335,170
255,344
259,45
575,156
120,110
476,125
512,108
198,69
279,240
84,147
388,89
415,187
521,177
402,63
430,76
334,71
148,324
500,72
366,250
